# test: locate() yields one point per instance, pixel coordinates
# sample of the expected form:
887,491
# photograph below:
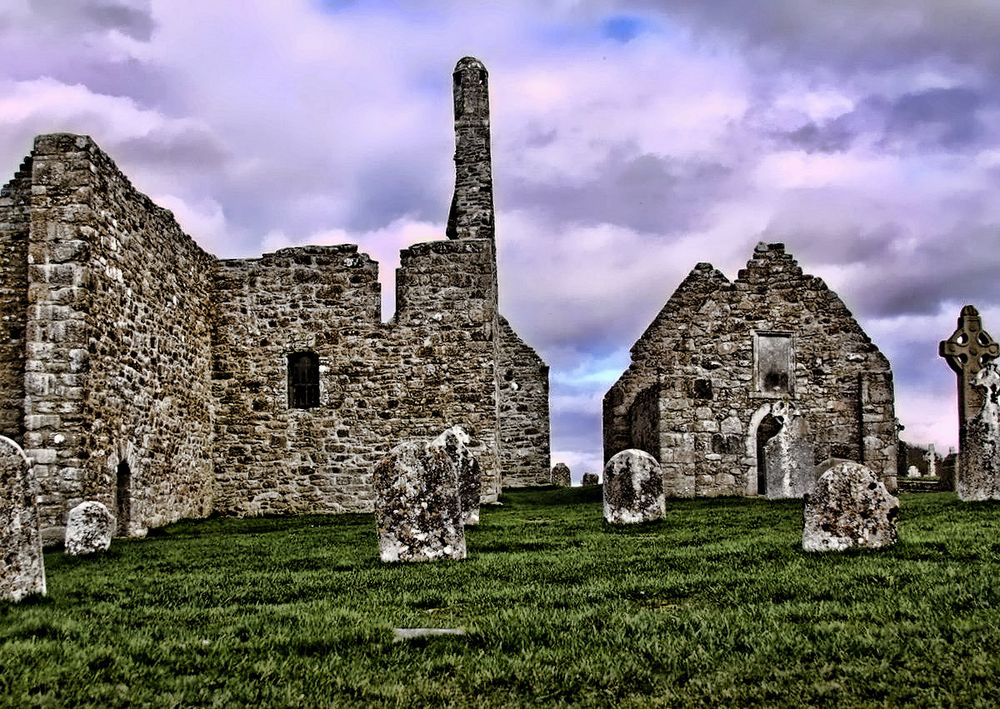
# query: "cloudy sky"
631,140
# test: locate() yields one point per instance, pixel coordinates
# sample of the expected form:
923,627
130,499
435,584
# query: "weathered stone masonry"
700,386
142,372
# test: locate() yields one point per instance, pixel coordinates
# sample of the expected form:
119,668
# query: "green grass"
716,605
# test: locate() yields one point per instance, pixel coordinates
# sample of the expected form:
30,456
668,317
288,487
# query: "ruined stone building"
708,370
142,372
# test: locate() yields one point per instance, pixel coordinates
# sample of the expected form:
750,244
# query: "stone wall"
712,400
15,217
524,412
118,345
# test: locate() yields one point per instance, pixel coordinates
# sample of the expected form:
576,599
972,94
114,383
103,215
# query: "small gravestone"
979,465
418,513
561,475
912,472
89,528
788,455
590,479
455,442
633,488
849,507
22,567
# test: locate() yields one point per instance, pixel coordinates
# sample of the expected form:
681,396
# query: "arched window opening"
303,380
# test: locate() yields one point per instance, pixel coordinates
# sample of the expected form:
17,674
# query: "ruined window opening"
303,380
774,364
123,497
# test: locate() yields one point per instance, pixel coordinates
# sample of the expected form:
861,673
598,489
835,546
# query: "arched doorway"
123,498
766,430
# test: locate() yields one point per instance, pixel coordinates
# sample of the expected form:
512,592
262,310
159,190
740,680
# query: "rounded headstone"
561,475
633,488
22,567
89,529
590,479
418,514
849,507
455,442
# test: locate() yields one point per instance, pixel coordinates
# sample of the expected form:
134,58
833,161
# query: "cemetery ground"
715,605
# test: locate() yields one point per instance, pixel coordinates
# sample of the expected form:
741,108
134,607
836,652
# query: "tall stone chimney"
471,215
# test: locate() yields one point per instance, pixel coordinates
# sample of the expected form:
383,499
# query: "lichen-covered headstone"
590,479
22,567
912,472
455,442
561,475
633,488
89,528
788,455
418,514
849,507
979,464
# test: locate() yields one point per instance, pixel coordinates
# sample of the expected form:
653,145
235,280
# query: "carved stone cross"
967,350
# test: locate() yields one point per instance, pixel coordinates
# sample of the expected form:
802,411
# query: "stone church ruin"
141,372
725,361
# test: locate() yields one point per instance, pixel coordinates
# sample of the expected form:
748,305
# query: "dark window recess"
702,389
303,380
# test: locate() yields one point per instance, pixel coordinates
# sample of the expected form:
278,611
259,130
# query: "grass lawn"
716,605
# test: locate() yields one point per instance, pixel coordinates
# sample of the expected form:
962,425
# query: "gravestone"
931,458
912,472
633,488
849,507
418,514
455,442
22,567
89,529
967,351
590,479
979,466
788,455
561,475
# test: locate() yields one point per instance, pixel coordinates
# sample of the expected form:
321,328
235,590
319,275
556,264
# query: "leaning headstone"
849,507
89,528
418,514
913,472
22,567
633,488
455,442
788,455
979,464
590,479
561,475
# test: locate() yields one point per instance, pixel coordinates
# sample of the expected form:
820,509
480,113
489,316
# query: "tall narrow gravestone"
979,467
788,455
455,442
967,351
22,567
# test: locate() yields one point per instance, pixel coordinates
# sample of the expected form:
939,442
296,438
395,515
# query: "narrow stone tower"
471,215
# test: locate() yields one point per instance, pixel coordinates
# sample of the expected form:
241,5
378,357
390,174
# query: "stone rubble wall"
118,344
524,412
709,411
15,217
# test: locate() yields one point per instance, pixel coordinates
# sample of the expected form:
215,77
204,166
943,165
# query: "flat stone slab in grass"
633,488
418,514
455,442
89,528
561,475
400,634
22,566
849,507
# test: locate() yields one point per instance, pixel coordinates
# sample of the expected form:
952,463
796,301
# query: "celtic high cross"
967,351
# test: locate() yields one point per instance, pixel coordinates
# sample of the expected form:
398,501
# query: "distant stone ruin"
722,357
142,372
